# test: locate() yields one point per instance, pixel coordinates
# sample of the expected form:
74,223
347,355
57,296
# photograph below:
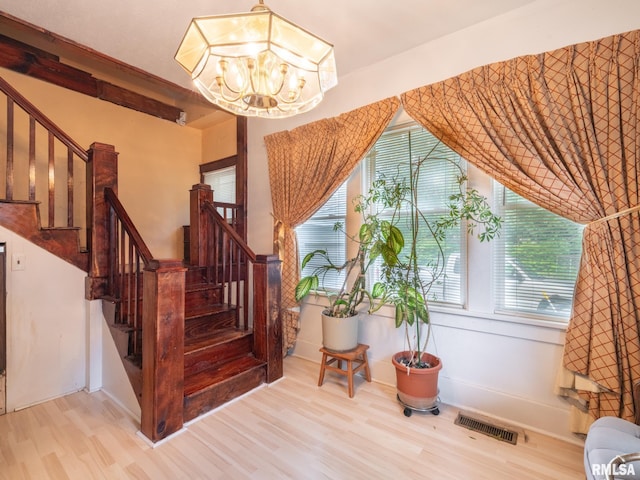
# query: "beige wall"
157,164
219,141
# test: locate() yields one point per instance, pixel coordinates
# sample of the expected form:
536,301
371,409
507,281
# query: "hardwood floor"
291,429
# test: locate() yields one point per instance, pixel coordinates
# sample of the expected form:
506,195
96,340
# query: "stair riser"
205,358
216,395
195,300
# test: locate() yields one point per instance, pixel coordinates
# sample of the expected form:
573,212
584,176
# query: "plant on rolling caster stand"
406,283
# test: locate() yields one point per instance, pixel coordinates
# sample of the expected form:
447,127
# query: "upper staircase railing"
53,162
233,214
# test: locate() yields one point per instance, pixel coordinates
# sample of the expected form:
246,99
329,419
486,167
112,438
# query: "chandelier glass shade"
257,63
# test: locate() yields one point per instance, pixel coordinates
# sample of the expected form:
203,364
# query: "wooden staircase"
192,334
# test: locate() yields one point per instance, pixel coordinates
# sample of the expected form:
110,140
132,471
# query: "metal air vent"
487,428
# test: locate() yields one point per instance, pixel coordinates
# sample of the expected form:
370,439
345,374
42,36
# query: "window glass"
536,258
318,233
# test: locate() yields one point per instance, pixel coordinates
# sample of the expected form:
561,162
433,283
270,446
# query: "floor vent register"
487,427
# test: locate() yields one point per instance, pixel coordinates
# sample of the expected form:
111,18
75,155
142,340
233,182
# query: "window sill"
516,326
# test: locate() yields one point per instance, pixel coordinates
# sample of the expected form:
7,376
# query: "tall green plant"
402,282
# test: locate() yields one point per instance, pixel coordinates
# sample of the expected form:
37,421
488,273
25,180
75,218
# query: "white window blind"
391,156
223,184
536,258
318,233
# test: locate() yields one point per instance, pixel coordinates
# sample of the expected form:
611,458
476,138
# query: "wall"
492,364
46,329
219,141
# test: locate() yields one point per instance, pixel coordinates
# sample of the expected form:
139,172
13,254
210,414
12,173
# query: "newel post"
267,320
102,172
199,222
163,347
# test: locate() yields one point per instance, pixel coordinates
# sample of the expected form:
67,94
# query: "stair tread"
205,379
214,338
209,309
199,286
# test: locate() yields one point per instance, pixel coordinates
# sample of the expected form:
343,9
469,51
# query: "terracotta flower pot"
339,334
417,387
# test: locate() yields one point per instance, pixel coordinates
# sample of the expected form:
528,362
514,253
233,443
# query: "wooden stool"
358,356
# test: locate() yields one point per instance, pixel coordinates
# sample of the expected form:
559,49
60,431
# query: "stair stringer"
23,218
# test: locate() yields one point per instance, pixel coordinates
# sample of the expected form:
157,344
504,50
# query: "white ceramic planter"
339,334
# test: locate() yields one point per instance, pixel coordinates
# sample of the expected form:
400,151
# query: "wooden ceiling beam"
32,61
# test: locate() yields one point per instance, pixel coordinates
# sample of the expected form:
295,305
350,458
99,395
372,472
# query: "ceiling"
146,33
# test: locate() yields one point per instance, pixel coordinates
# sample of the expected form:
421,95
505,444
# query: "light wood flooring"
292,429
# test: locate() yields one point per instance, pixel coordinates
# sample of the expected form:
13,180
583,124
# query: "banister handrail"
208,206
226,205
32,110
128,225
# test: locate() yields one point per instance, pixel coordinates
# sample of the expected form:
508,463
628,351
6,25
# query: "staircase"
192,334
219,363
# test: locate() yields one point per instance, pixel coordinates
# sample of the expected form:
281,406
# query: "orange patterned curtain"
306,165
562,130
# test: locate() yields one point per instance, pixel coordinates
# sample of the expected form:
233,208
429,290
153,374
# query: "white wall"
46,325
491,364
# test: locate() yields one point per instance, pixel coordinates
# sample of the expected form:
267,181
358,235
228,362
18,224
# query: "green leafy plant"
376,238
387,209
404,283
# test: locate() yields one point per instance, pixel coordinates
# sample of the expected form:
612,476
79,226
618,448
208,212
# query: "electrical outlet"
18,261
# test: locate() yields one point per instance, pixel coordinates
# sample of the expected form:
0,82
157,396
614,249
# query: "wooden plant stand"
357,356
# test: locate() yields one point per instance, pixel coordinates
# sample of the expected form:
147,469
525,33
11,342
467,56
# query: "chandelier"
257,63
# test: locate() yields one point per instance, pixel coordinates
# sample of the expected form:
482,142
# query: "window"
390,157
318,233
536,257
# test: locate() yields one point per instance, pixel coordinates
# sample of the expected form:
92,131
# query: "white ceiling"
146,33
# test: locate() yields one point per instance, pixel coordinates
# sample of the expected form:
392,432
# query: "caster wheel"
407,412
435,411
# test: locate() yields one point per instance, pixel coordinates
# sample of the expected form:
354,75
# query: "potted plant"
340,317
406,279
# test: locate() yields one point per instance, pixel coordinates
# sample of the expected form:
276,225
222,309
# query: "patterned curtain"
306,166
561,129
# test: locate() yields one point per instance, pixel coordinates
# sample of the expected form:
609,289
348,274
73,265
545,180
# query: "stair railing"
229,261
128,255
54,170
233,214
